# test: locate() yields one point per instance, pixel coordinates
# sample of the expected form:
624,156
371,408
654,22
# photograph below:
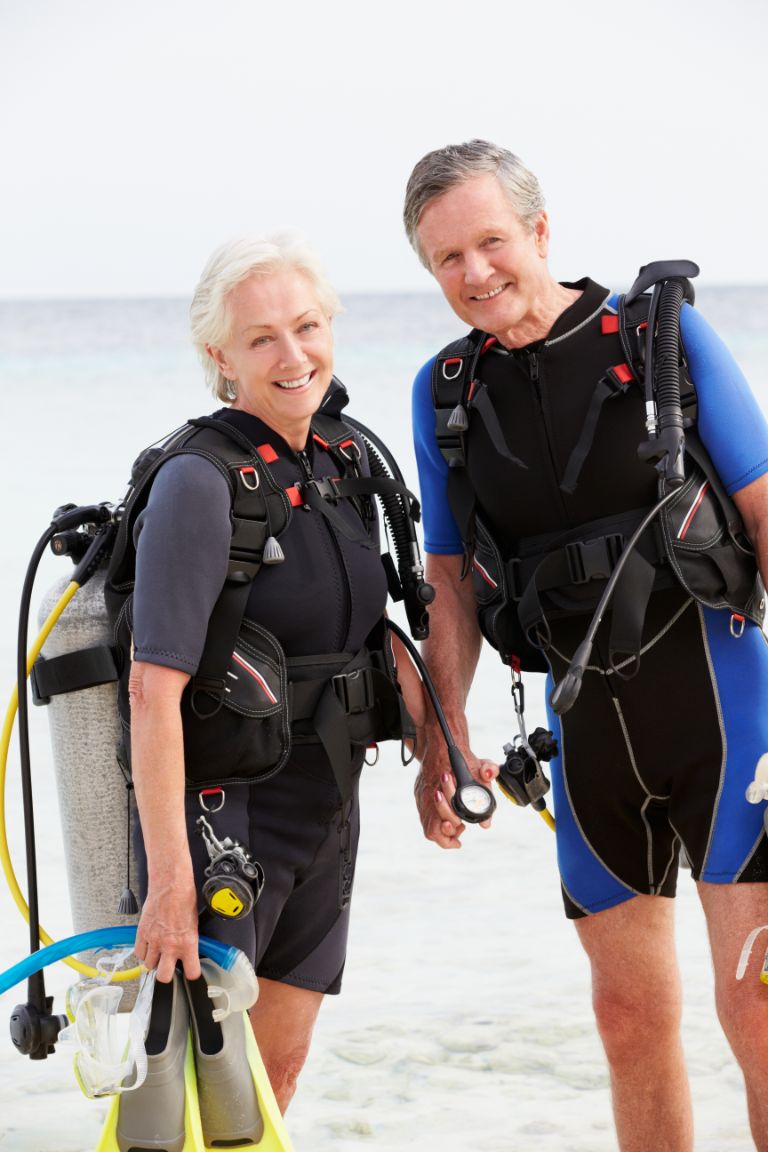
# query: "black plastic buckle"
593,559
514,578
355,690
326,487
38,698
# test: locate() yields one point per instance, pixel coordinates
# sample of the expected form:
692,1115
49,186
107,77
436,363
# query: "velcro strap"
72,672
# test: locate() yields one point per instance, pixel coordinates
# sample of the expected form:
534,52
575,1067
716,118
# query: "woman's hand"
167,931
434,789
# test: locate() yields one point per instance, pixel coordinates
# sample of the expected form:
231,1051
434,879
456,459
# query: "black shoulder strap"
453,372
630,323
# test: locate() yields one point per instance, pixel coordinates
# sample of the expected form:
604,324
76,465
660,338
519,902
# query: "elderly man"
527,434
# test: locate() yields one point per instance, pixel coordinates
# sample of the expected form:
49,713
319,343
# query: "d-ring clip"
738,624
203,797
454,360
250,477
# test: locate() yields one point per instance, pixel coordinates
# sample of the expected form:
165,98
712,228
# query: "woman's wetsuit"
662,760
325,597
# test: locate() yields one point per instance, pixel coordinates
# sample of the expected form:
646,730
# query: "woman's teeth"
290,384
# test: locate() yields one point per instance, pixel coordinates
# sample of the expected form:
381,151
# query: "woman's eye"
309,326
450,257
260,341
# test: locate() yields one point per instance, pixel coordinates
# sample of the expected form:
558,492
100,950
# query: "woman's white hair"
439,171
228,266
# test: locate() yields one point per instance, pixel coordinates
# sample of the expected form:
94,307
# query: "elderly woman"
267,746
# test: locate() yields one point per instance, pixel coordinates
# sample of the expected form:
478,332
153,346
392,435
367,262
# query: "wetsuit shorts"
660,763
294,826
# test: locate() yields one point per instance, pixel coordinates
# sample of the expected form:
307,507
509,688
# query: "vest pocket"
487,569
239,731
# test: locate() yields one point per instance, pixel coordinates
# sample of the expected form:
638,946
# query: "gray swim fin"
274,1137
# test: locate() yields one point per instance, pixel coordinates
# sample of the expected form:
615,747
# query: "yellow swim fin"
275,1137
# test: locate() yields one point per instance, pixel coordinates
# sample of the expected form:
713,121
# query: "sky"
137,137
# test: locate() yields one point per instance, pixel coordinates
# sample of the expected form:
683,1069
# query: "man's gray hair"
441,170
228,266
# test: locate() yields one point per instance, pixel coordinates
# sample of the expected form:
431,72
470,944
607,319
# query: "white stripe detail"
256,675
692,510
485,575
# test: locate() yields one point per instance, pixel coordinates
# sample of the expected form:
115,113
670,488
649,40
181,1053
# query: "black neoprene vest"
249,701
544,508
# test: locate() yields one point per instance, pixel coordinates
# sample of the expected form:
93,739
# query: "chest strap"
574,565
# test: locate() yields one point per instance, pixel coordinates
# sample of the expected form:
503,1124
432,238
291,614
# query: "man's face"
491,267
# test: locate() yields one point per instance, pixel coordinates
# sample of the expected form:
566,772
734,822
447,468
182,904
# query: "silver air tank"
93,798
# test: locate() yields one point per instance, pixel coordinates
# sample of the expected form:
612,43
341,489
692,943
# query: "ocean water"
464,1022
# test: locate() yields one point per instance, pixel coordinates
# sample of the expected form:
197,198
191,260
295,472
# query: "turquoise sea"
464,1021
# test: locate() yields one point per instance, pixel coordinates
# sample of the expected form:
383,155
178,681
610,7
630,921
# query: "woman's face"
279,352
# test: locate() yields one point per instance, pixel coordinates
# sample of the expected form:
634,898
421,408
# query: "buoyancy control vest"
546,483
248,704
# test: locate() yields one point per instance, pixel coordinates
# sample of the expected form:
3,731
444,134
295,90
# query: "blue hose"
116,937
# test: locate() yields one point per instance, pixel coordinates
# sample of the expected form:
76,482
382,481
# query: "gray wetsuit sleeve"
182,548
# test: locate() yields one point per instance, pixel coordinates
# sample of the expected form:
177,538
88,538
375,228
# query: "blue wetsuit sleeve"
731,423
441,535
182,542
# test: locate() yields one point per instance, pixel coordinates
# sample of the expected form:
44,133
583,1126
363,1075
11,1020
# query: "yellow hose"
548,818
5,742
545,814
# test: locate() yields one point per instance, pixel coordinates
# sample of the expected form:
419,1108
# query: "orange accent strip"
267,453
609,324
294,496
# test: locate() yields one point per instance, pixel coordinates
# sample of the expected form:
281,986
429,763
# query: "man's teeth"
492,293
294,383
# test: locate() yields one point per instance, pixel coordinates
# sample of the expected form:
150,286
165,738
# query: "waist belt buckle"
593,559
355,690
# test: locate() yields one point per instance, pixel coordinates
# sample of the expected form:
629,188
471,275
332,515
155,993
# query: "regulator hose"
415,593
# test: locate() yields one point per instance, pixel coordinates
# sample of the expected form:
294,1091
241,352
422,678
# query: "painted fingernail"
445,777
488,773
439,796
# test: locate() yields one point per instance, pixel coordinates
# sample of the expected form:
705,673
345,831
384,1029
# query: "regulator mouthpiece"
565,694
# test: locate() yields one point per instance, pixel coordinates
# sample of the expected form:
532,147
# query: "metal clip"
453,360
738,624
212,792
254,480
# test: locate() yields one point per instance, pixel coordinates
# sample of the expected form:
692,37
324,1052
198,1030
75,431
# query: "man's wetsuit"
662,759
326,597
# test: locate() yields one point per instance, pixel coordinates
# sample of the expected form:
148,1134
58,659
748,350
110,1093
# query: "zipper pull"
305,464
533,367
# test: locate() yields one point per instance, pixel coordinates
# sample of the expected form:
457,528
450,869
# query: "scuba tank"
92,793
